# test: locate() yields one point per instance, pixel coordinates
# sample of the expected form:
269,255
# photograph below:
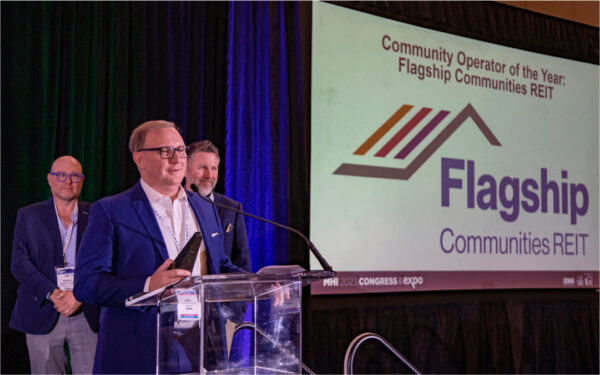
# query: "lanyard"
68,237
69,234
184,218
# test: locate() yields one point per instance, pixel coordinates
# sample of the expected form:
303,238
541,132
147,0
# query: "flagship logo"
507,194
405,173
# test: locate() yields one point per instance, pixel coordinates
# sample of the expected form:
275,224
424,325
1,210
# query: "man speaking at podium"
129,244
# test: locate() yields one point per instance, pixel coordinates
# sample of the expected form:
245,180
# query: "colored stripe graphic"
422,134
375,137
403,132
405,173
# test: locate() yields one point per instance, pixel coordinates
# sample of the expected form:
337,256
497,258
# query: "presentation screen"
440,162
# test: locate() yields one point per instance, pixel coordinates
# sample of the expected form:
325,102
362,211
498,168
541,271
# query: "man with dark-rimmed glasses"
46,238
132,240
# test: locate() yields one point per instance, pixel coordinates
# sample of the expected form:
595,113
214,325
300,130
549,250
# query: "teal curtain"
77,77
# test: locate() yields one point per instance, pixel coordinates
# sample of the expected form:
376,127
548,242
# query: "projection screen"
441,162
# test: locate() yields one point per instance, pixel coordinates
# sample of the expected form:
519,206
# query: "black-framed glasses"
167,152
62,177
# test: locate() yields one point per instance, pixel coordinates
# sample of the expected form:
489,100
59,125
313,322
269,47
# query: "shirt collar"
156,197
74,214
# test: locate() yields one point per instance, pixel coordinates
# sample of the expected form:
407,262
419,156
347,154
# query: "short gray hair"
138,136
203,146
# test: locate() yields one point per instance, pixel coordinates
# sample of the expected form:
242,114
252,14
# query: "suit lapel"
82,218
51,224
142,207
207,236
222,213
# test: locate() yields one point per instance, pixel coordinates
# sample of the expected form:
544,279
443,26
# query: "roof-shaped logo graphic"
405,173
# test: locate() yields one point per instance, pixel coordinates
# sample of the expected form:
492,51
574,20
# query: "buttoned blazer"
36,251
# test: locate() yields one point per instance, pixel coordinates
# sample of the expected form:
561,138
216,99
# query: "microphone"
309,244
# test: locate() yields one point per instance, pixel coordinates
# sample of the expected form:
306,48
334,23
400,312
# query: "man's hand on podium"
280,294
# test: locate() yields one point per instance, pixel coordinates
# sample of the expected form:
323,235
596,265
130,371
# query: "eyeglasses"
62,177
167,152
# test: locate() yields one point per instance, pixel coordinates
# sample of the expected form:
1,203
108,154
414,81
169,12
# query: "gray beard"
204,191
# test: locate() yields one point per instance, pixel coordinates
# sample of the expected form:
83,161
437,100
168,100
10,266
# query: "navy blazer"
235,238
121,249
36,251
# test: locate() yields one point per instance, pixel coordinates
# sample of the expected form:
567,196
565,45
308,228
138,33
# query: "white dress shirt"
177,224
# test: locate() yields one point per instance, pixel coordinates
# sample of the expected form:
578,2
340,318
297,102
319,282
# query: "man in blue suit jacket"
130,239
47,236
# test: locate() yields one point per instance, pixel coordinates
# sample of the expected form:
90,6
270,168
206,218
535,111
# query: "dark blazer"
235,239
37,249
121,249
235,245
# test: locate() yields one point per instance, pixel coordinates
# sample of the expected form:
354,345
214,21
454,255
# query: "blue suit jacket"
122,247
37,249
235,239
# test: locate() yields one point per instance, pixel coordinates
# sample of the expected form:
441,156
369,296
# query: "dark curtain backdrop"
266,128
464,332
77,77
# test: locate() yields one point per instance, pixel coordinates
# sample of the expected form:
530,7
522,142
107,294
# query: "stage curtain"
77,77
459,332
493,22
265,127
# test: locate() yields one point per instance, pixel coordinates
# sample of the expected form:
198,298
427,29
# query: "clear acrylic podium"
241,323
